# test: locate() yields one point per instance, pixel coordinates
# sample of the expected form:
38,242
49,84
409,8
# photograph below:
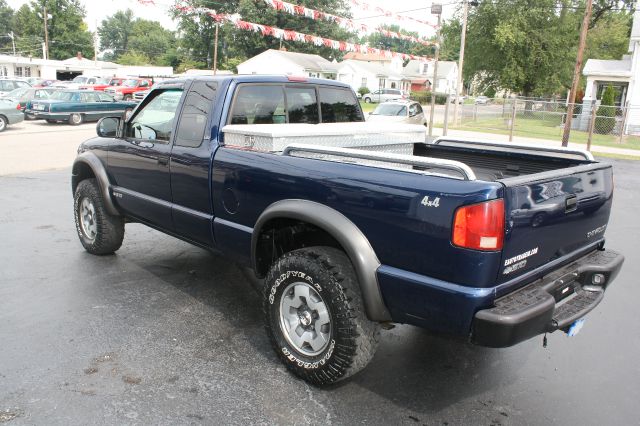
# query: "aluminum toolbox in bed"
390,138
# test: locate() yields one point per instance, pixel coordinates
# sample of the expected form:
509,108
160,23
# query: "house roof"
307,61
366,57
376,68
608,68
412,69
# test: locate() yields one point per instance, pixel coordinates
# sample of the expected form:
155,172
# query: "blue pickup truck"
494,243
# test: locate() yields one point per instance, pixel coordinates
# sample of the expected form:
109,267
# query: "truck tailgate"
552,214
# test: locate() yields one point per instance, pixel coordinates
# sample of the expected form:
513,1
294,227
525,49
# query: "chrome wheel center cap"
305,318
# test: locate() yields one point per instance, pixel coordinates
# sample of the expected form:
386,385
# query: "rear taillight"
18,107
479,226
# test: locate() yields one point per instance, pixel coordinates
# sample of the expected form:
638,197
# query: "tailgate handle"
571,204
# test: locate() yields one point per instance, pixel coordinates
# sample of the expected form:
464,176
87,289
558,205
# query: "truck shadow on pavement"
412,368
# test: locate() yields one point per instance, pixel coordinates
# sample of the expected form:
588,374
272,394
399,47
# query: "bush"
606,114
363,90
424,97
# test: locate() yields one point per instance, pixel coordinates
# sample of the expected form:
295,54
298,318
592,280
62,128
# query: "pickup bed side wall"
385,205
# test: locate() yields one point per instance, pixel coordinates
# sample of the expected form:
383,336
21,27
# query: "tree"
197,31
381,41
133,58
67,31
522,47
450,34
6,25
115,31
609,37
606,114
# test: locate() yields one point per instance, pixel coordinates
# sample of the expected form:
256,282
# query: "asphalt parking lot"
166,333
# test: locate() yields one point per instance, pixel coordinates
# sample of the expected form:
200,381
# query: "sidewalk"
595,149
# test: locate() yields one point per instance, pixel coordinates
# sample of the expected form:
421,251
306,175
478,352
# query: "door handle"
163,161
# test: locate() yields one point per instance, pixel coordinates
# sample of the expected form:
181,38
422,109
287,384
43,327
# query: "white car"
409,112
383,95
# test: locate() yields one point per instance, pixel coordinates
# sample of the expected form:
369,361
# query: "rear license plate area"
563,291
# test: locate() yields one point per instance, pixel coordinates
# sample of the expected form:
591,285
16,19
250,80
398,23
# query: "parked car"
383,95
106,82
433,244
460,100
128,88
81,82
482,100
40,83
26,94
409,112
7,85
10,113
139,96
77,106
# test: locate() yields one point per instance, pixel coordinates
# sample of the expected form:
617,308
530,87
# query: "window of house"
18,72
393,84
364,82
27,71
3,71
338,105
381,83
193,122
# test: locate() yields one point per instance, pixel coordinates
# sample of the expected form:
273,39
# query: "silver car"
10,113
409,112
383,95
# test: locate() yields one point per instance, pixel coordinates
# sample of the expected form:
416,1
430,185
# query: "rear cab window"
293,103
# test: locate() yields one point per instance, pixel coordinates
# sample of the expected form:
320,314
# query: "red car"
105,82
128,88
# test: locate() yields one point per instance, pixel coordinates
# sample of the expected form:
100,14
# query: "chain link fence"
592,123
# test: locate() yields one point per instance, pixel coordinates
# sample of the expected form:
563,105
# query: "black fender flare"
348,235
93,162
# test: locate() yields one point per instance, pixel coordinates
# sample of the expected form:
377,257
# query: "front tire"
127,97
99,232
367,100
314,315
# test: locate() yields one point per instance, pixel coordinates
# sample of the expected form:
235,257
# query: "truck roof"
255,79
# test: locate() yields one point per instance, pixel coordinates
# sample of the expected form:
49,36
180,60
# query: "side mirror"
107,127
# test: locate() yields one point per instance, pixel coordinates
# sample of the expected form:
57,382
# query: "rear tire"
99,232
367,100
314,315
3,123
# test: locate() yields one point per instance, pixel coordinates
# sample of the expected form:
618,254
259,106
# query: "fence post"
625,114
513,120
592,124
446,116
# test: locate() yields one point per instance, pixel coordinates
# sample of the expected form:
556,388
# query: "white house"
288,63
420,73
623,75
372,75
19,66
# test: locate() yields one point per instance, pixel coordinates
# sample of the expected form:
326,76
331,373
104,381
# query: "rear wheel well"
282,235
81,171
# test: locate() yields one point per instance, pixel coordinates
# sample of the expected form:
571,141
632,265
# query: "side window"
144,83
75,97
90,97
413,110
258,104
155,120
338,105
193,121
302,105
418,108
104,97
41,94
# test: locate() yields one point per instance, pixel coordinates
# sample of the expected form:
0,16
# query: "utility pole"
463,37
13,42
576,73
95,46
46,33
215,52
436,9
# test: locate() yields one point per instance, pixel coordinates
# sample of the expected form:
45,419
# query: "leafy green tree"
609,37
197,30
68,34
115,30
382,41
606,114
450,34
133,58
6,26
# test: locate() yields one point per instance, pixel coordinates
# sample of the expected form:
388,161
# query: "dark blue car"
77,106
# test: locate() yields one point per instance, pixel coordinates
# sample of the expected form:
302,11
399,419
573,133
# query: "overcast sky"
98,10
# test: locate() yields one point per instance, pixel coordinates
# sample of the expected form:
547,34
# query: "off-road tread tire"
110,228
356,337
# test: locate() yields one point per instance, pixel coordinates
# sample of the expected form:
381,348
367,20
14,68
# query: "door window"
193,121
155,120
90,97
104,97
413,110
